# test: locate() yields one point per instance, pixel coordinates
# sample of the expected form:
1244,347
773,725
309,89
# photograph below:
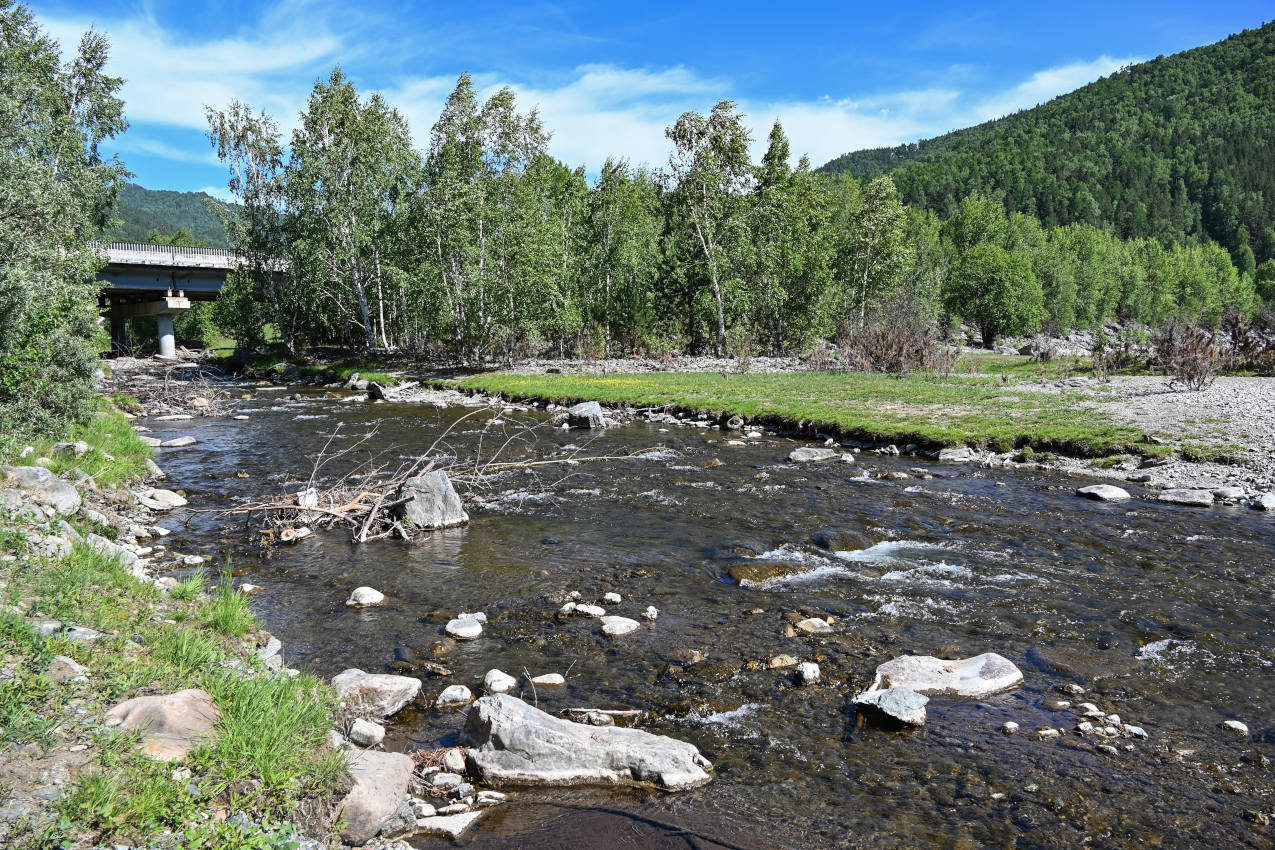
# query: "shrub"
898,339
1190,354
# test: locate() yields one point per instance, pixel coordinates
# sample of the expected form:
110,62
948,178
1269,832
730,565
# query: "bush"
897,339
1190,354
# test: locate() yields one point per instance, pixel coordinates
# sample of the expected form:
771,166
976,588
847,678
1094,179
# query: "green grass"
268,752
929,411
116,454
1230,453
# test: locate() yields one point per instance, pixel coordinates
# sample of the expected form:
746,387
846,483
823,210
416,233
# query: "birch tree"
710,168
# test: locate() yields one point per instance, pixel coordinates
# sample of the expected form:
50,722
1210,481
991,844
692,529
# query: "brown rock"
380,787
171,725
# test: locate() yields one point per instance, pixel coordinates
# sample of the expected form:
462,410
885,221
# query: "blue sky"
609,77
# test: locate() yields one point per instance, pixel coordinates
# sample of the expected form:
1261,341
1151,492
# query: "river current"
1162,614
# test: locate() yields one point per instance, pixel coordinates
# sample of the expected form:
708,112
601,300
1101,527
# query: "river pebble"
364,597
619,626
1235,727
499,682
454,695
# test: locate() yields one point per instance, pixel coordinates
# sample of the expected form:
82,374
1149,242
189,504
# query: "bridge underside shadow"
133,291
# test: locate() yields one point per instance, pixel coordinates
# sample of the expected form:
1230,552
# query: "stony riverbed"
1155,613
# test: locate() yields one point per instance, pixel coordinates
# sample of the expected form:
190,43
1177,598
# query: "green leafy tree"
874,255
996,290
55,195
180,237
791,257
710,168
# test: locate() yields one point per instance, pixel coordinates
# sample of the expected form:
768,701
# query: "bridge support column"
119,329
167,337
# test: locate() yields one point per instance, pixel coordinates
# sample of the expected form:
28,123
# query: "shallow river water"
1162,614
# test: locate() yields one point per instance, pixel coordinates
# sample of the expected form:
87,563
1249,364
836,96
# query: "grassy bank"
115,456
929,411
267,758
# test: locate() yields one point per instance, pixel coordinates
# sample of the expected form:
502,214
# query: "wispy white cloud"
221,193
594,110
1045,85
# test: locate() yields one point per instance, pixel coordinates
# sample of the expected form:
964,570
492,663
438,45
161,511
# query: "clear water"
1163,614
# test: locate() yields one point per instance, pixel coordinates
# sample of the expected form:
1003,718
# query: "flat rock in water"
512,743
43,487
617,626
448,826
962,454
375,694
809,454
171,725
967,677
900,704
431,502
1104,492
1190,498
549,680
380,788
178,442
588,414
161,500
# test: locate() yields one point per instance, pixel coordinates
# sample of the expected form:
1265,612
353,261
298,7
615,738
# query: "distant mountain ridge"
1177,148
142,210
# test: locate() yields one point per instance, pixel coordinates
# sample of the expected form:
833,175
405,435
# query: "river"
1162,614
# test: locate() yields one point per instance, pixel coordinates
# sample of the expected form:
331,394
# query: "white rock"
448,826
612,598
364,597
446,779
491,798
651,613
250,588
1104,493
808,454
1264,502
499,682
464,628
549,680
454,695
422,809
375,694
1088,709
178,442
901,704
568,608
454,762
365,733
1048,733
1235,726
617,626
808,672
969,677
1009,727
590,610
1190,498
814,625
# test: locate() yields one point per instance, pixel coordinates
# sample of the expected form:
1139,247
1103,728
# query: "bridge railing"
176,255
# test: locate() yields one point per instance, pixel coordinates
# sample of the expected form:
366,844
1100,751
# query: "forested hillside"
143,210
1176,148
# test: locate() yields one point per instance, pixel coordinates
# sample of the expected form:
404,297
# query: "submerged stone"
900,704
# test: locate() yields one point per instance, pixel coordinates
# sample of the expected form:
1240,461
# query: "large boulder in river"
961,454
586,414
375,694
44,488
431,501
967,677
381,783
1264,502
512,743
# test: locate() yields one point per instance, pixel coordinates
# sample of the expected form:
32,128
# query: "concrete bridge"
159,281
